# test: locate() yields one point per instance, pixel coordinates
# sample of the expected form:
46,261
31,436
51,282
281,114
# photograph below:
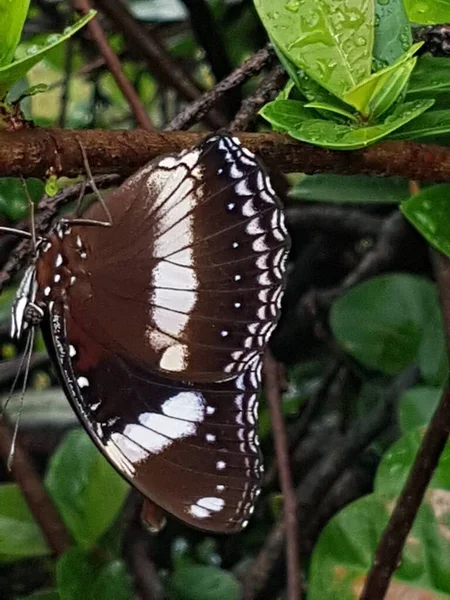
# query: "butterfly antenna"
32,220
28,353
14,383
92,182
14,231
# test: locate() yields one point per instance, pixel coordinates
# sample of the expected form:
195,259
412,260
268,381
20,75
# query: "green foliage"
87,491
20,535
11,72
428,12
417,406
429,211
301,124
11,25
332,42
353,62
13,201
396,316
350,188
203,583
80,576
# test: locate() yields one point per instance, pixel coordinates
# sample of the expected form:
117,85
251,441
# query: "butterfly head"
25,312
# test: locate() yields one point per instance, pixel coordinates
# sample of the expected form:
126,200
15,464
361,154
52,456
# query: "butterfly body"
157,325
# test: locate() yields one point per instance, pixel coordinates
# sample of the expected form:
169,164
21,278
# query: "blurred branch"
387,557
272,389
113,62
159,61
209,37
39,152
200,107
34,492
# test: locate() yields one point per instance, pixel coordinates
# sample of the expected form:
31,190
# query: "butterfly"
157,325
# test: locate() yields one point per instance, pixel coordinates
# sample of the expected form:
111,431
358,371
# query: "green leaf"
333,108
345,550
429,212
13,15
392,32
431,76
292,116
432,123
87,491
13,202
20,536
204,583
397,462
387,94
417,406
75,575
332,42
393,313
14,71
351,188
428,12
113,581
360,95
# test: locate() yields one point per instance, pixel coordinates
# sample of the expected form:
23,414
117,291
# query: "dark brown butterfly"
158,323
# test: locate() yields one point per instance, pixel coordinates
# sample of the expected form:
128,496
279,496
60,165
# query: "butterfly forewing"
158,324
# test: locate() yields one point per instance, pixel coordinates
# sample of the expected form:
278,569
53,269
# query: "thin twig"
267,91
150,49
33,490
387,557
114,66
272,388
196,110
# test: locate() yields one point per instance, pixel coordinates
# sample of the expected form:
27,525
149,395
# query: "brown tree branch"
41,151
114,65
388,554
272,389
267,91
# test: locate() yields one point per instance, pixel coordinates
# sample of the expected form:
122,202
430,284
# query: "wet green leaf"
431,123
428,12
333,108
386,95
417,406
360,189
429,212
14,71
292,116
397,462
393,313
20,536
360,96
13,15
331,41
345,550
392,32
203,583
87,491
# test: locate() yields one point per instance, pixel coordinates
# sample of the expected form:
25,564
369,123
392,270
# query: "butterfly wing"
199,262
192,451
157,325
